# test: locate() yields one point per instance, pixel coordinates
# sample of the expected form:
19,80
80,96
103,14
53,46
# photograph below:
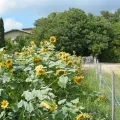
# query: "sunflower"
62,54
43,50
36,60
32,43
8,63
77,79
4,104
52,39
41,43
26,52
39,67
39,70
101,98
60,72
79,117
82,116
69,63
86,115
50,105
51,46
45,42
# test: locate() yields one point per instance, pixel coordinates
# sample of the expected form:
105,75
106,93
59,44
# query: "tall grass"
93,81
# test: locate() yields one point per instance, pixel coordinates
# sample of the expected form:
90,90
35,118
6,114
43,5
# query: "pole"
100,78
113,97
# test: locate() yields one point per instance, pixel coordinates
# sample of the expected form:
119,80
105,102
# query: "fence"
108,84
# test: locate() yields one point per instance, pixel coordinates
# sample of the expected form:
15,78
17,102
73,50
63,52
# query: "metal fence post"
113,97
100,78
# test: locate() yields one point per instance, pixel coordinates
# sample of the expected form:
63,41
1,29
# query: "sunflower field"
41,83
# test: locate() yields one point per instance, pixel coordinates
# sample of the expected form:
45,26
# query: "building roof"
16,30
27,28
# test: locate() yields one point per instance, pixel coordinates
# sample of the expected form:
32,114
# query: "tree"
67,26
2,40
9,45
99,36
75,31
21,41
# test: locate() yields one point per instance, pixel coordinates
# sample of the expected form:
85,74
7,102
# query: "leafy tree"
21,41
2,40
113,54
75,31
10,46
100,35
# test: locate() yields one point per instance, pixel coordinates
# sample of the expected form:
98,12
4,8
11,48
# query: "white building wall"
13,34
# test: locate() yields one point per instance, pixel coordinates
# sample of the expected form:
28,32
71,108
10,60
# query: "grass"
93,81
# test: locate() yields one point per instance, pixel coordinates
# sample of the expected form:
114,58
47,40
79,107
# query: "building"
29,30
12,34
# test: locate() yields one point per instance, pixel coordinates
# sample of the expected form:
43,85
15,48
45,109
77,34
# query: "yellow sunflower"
50,105
60,72
45,42
32,43
4,104
101,98
82,116
41,43
39,67
39,70
36,60
86,115
43,50
52,39
69,63
8,63
77,79
79,117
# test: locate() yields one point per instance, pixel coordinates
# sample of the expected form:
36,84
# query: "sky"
18,14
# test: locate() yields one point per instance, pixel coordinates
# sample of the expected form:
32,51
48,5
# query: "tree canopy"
83,33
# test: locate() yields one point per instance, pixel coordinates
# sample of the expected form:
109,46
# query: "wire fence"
109,84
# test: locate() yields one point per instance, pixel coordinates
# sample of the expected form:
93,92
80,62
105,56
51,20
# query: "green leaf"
69,104
6,77
63,81
2,114
28,95
61,101
29,107
81,107
27,68
20,104
75,101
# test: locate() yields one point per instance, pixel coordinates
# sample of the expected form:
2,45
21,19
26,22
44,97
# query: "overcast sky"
19,14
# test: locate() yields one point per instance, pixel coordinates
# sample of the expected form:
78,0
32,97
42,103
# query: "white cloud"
12,5
10,23
6,5
47,6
